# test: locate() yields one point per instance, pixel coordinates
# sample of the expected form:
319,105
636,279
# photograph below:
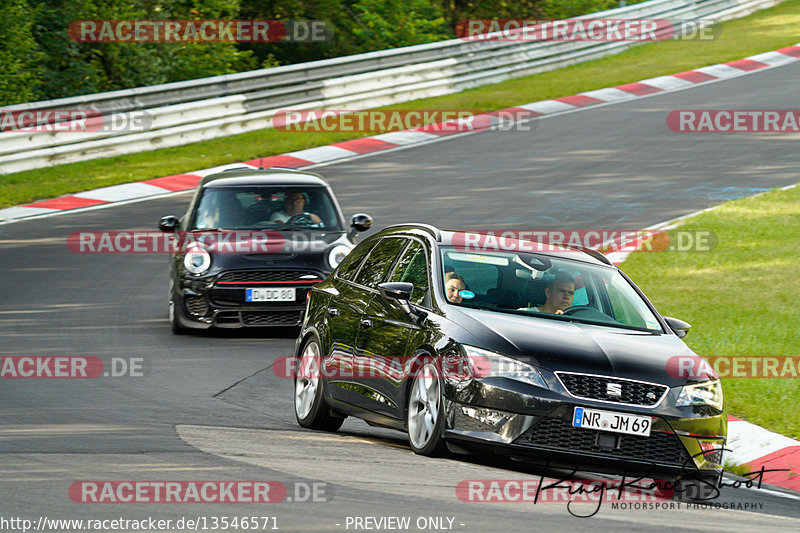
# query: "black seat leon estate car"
251,245
461,349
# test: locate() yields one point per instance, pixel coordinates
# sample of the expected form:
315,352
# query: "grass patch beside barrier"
763,31
741,298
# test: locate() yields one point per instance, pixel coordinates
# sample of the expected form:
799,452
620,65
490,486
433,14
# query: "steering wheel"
303,219
578,309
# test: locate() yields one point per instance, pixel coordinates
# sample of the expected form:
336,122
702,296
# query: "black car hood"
293,250
576,347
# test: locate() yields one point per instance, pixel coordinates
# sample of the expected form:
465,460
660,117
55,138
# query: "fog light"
712,451
487,417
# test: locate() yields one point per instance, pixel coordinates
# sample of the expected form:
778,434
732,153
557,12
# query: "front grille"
196,305
268,275
272,318
557,433
591,387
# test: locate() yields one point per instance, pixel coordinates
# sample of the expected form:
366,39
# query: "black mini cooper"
251,246
529,351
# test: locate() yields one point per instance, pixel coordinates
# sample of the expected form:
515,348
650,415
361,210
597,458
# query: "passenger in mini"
293,205
559,293
453,284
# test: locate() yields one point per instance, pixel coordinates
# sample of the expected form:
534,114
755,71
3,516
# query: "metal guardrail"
195,110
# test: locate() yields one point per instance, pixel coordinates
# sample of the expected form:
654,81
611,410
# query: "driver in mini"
559,293
293,205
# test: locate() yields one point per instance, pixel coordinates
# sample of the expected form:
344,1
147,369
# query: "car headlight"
337,254
484,363
706,393
197,260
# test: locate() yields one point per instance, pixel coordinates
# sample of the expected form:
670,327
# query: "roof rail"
433,230
236,169
590,251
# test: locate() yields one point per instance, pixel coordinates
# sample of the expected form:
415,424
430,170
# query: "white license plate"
610,421
270,295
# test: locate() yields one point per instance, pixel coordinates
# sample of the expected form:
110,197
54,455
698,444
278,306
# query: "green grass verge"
741,298
762,31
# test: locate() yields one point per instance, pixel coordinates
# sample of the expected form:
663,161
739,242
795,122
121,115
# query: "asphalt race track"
210,407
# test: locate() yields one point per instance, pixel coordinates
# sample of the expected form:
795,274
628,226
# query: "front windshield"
543,286
261,207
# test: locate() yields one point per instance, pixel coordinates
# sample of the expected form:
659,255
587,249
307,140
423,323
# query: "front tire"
425,412
310,407
177,329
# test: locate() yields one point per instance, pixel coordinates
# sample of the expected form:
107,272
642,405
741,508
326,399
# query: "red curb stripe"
639,89
732,418
793,51
365,145
746,64
787,458
66,202
694,76
579,100
179,182
280,161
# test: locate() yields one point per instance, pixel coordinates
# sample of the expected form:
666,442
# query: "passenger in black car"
453,284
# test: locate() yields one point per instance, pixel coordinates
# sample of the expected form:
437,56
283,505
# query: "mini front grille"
615,390
558,434
268,275
196,305
272,318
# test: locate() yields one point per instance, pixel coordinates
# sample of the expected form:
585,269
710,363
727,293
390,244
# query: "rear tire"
425,412
310,407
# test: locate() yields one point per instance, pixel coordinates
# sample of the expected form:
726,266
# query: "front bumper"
213,302
529,423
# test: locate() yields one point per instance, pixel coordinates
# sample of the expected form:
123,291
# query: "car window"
379,261
518,283
350,264
259,207
413,268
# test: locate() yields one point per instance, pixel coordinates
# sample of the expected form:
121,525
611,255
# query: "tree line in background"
39,61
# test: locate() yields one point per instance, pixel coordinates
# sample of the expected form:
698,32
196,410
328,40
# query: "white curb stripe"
322,154
667,83
773,58
208,171
127,191
610,94
548,106
402,138
721,71
749,442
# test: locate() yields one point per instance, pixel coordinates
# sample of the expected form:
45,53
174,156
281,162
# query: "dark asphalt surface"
614,167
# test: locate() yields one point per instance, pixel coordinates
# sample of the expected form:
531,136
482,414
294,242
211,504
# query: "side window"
413,268
351,263
379,261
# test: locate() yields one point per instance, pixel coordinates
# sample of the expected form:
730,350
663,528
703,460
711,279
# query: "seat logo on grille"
614,389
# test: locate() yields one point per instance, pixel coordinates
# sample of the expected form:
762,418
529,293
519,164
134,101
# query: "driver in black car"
559,293
294,205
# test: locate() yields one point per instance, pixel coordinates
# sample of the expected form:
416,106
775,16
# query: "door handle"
366,322
333,311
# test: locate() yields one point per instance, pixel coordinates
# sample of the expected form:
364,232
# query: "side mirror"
359,222
680,327
400,292
168,223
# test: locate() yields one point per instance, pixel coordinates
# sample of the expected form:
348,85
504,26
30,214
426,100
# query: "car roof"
445,238
271,176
